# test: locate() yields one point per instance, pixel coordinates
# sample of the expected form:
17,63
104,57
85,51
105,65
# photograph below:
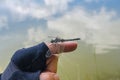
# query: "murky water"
86,64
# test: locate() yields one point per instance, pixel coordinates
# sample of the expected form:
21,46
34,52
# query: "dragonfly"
58,39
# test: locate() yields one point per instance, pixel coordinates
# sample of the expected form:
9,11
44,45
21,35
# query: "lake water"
91,62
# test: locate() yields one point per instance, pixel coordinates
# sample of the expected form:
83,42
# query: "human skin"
51,71
55,48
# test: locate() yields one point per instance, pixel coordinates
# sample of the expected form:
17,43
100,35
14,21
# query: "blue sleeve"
31,59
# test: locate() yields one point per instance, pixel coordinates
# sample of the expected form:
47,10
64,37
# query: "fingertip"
70,46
